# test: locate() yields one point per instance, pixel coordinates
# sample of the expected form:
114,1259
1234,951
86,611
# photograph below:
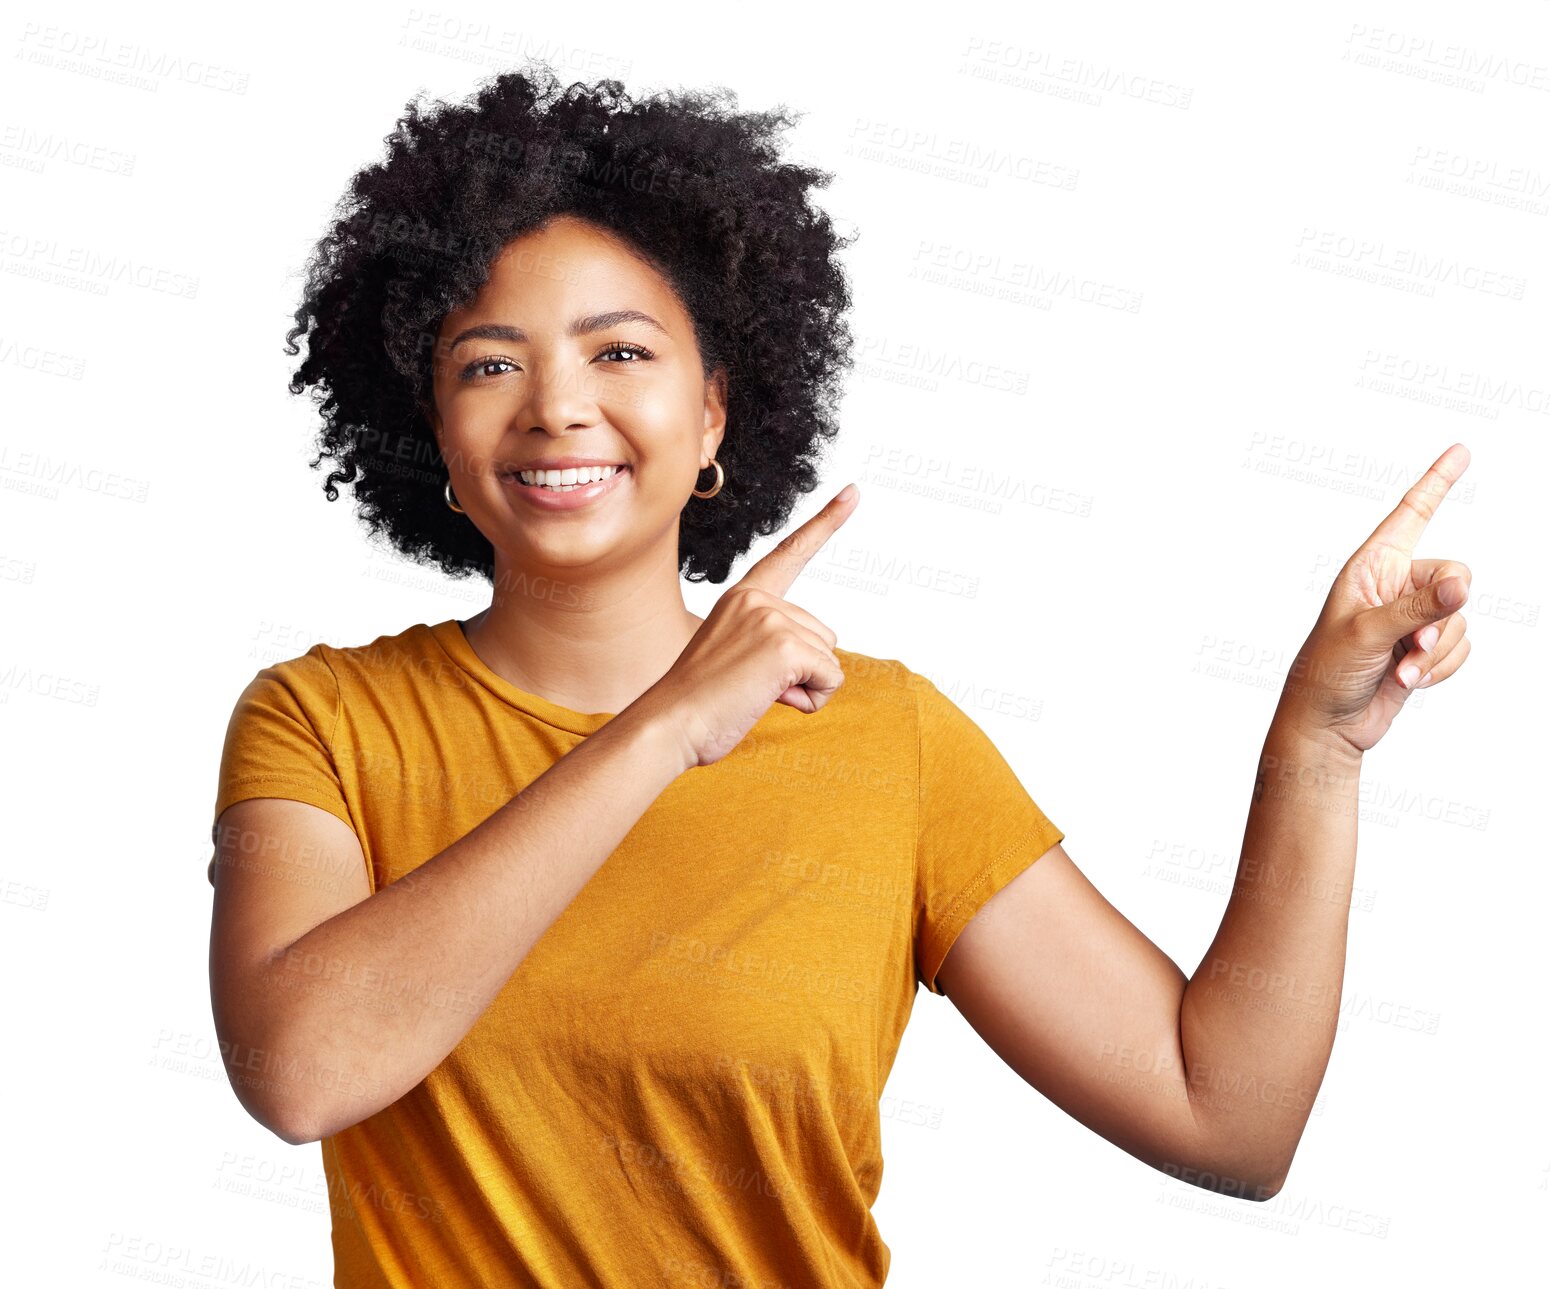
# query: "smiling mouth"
563,480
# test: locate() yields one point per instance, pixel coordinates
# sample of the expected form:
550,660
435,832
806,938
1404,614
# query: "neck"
592,643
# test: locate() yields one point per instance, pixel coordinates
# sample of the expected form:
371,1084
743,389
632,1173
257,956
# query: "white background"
1338,255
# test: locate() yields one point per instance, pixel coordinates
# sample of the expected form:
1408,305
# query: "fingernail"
1451,592
847,492
1425,681
1409,674
1427,639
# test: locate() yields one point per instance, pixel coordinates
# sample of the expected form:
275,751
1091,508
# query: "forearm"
1257,1020
377,996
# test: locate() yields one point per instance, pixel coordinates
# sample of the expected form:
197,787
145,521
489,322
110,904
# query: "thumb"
1386,624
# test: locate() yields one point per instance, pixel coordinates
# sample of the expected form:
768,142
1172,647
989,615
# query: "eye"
477,368
628,347
480,367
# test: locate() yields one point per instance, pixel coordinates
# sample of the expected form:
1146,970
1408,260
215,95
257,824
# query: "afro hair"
693,185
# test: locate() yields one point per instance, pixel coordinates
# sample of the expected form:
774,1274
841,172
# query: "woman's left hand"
1390,625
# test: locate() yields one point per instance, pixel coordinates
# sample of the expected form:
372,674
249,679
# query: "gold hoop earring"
721,478
448,493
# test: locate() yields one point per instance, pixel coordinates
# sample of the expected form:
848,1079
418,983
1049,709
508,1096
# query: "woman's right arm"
332,1002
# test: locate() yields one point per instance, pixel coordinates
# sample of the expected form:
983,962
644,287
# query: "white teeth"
564,480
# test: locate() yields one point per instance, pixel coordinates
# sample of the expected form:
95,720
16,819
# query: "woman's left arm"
1212,1078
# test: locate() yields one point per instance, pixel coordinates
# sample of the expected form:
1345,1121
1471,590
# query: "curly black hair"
690,183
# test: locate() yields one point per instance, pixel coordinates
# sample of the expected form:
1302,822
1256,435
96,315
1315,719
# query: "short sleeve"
978,827
279,741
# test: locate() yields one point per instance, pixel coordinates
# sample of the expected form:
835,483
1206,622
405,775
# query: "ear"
715,413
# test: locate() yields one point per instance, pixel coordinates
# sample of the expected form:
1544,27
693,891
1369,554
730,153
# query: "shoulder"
885,685
402,653
889,685
318,676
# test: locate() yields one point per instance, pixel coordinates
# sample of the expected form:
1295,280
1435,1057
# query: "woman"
582,933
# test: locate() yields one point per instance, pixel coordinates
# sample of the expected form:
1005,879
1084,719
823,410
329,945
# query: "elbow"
276,1104
302,1124
1266,1182
276,1083
1253,1184
293,1134
268,1077
301,1120
270,1108
1271,1188
293,1124
1235,1161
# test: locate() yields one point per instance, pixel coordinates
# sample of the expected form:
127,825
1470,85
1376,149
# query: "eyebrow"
580,327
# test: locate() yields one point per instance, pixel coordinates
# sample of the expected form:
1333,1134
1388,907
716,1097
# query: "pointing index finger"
1404,525
780,568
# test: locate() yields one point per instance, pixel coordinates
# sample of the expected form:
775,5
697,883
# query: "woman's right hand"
753,649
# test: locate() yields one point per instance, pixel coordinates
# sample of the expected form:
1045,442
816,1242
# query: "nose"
559,397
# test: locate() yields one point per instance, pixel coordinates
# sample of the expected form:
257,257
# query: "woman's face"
542,368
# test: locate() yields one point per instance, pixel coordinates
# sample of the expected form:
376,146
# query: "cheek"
468,455
665,444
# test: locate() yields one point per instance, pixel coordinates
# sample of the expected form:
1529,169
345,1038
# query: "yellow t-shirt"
680,1084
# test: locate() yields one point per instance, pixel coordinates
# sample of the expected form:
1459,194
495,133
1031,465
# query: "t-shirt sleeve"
978,827
279,741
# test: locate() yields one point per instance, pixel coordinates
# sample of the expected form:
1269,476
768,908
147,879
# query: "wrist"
660,729
1295,728
1316,756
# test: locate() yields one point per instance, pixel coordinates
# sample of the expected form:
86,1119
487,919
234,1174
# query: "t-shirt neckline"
455,642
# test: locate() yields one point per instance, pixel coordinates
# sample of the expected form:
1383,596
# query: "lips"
560,463
513,474
516,474
565,498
